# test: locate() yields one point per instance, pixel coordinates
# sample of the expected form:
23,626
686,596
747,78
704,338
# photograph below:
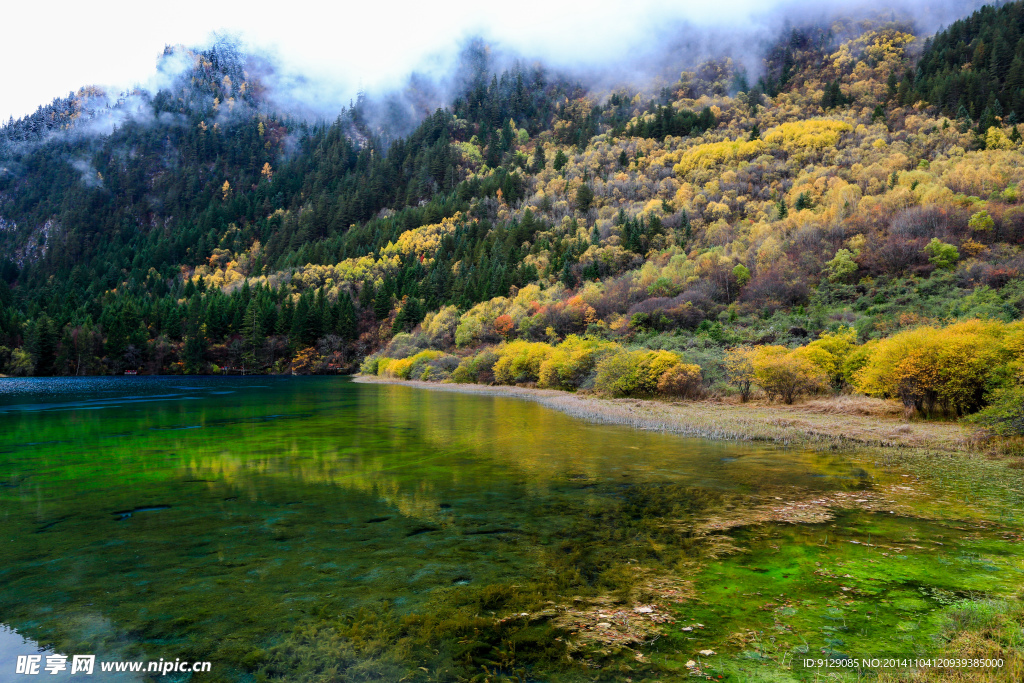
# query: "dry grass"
851,405
972,643
828,423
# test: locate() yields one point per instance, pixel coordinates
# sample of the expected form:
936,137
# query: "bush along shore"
831,423
948,387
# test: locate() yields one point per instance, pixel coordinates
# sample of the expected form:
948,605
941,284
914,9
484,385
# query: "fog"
322,56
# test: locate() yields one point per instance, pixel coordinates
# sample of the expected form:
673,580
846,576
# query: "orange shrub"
683,380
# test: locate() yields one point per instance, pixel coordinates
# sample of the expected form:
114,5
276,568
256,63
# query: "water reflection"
14,645
211,522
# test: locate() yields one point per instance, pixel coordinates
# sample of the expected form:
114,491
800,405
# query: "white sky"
49,49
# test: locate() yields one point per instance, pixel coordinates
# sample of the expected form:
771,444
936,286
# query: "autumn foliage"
948,369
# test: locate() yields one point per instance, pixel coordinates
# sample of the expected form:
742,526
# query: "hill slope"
832,195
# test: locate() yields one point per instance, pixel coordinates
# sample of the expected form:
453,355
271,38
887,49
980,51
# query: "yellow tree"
829,354
785,374
739,367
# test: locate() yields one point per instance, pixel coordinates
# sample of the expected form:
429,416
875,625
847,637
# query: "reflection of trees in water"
411,448
543,445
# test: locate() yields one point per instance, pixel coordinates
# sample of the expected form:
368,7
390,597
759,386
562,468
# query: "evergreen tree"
42,345
194,351
584,197
539,162
302,334
346,323
382,301
686,230
253,333
568,276
560,160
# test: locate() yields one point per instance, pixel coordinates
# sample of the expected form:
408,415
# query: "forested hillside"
833,218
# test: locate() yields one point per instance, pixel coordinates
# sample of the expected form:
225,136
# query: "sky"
48,50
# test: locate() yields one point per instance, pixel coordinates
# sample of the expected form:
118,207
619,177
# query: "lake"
320,529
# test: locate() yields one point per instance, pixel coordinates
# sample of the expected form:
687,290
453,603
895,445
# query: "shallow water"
288,528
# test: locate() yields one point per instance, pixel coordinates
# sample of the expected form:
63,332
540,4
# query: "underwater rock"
488,532
807,511
50,524
125,514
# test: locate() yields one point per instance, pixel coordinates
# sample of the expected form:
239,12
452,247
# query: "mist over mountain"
309,78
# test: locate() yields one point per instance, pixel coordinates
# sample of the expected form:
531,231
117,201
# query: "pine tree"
284,321
253,333
382,301
42,345
301,334
584,197
193,354
539,162
346,324
560,160
686,230
568,276
366,295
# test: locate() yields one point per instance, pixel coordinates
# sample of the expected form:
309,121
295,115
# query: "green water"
317,529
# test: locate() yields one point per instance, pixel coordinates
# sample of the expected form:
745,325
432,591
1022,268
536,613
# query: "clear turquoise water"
318,529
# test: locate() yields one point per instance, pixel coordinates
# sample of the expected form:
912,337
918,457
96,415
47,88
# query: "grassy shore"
837,422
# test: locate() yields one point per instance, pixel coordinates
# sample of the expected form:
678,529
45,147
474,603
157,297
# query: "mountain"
866,180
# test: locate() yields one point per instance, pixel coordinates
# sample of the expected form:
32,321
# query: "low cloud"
406,60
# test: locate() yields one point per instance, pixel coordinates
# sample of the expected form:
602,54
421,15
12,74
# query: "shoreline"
789,426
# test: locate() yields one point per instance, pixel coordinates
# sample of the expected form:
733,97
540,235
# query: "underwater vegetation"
315,529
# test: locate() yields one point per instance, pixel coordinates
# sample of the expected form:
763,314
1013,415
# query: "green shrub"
981,222
974,615
466,372
476,369
633,373
572,364
520,361
1005,415
943,255
369,365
